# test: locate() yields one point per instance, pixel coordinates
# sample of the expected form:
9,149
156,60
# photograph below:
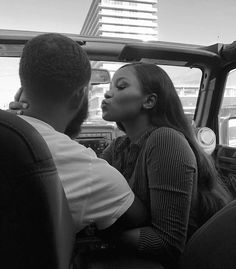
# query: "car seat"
213,246
36,226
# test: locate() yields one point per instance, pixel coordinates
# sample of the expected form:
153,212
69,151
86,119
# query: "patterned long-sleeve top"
161,169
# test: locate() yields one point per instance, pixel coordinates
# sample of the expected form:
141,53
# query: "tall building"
122,18
136,19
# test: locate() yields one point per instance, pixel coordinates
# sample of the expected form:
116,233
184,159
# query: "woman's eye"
121,87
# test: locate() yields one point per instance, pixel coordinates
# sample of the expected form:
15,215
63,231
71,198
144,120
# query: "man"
54,73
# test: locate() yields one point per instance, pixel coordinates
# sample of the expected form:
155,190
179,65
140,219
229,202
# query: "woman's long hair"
168,112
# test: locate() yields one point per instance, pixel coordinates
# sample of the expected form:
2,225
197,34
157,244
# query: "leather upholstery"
213,246
36,226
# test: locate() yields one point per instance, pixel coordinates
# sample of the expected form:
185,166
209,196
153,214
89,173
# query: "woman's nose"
108,94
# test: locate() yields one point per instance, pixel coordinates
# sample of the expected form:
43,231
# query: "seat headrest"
16,136
37,230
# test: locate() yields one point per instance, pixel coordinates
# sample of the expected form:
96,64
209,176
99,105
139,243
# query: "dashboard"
97,136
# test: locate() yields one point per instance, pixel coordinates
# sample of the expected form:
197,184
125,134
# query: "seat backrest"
36,226
213,246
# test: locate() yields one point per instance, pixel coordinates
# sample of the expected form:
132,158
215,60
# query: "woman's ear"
150,101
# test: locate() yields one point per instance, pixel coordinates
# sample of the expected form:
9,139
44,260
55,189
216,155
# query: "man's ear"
77,98
150,101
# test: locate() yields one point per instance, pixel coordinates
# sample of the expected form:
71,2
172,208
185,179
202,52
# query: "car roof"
124,50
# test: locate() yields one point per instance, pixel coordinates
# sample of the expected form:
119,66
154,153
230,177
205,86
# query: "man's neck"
53,114
57,121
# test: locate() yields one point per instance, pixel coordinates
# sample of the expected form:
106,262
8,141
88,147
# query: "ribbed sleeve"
171,171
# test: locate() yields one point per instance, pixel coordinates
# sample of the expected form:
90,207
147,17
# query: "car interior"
36,226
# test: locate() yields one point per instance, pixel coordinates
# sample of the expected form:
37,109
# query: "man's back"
96,192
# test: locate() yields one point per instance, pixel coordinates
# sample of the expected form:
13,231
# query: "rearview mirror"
100,76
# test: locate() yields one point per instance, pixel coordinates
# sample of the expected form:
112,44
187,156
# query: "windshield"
186,81
183,21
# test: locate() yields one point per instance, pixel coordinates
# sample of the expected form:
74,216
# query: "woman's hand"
16,106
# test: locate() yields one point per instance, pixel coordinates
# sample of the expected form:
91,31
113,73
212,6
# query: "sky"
187,21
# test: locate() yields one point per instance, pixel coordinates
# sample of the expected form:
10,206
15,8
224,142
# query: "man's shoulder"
37,123
58,142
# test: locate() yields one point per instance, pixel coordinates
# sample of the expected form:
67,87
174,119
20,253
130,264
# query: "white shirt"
96,191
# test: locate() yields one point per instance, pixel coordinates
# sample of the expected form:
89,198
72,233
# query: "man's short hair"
53,66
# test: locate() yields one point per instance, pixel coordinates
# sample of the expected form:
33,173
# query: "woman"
161,160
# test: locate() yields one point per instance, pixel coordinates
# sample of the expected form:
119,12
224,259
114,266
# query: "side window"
9,80
227,115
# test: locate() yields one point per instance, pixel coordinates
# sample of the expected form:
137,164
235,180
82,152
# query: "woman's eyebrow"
121,78
118,80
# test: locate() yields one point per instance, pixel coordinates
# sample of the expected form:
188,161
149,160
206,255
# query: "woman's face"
125,98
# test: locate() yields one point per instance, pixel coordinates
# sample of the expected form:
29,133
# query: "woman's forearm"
128,239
